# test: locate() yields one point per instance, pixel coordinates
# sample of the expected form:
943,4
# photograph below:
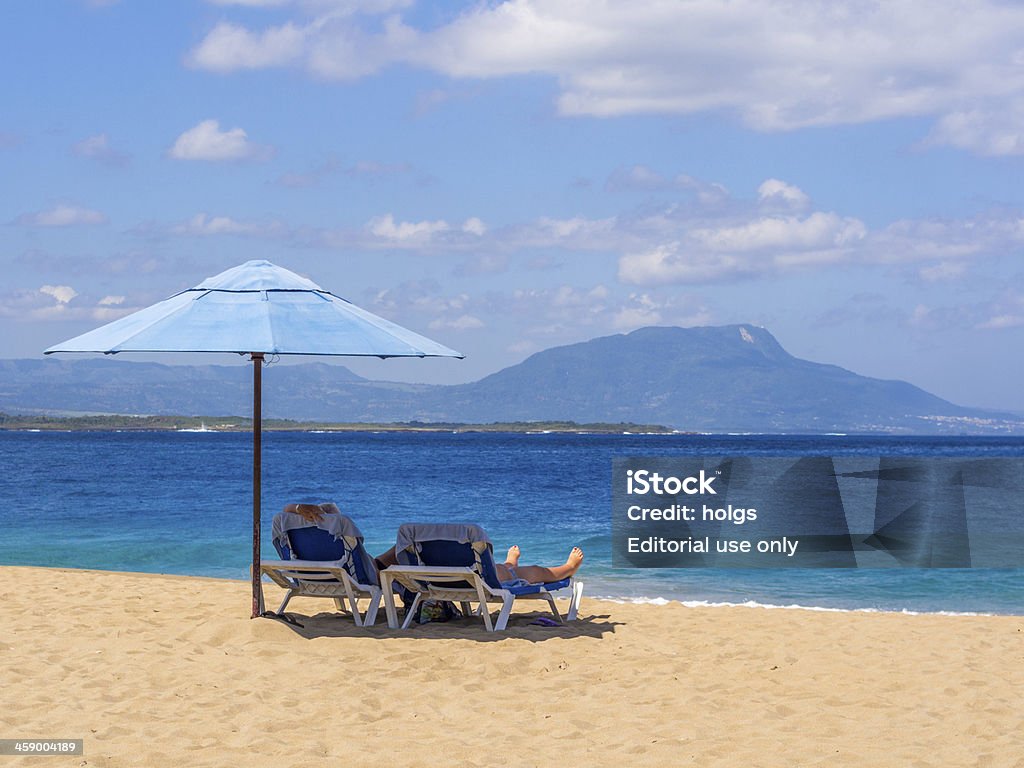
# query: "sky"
505,177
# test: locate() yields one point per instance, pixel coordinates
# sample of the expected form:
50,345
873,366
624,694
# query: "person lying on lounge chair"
511,570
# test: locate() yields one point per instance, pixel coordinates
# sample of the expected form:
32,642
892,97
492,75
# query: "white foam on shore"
773,606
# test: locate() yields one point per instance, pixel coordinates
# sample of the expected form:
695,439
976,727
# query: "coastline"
152,669
596,590
232,424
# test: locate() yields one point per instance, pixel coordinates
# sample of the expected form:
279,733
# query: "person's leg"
512,558
539,573
507,571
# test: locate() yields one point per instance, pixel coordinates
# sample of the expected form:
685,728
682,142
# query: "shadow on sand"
468,628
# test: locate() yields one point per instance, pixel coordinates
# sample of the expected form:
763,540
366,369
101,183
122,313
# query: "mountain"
734,378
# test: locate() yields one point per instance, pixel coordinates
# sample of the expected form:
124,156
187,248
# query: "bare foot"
512,558
575,559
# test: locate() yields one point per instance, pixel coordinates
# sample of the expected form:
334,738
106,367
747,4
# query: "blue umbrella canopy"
258,309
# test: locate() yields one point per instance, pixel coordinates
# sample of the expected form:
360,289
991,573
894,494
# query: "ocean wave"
777,607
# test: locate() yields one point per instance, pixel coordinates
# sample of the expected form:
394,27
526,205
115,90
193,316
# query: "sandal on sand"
544,621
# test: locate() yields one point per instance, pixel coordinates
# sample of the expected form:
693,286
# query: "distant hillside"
83,384
716,379
729,378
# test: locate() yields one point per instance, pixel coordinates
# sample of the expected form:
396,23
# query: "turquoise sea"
180,503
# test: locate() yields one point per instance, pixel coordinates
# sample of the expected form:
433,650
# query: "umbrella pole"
257,480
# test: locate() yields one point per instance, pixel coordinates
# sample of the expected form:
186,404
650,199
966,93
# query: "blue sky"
506,177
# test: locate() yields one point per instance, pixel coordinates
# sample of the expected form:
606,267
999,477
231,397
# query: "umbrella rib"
270,326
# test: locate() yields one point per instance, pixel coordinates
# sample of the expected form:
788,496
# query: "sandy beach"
170,671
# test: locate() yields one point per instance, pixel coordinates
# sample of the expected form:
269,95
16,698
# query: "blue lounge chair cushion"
529,589
454,553
317,544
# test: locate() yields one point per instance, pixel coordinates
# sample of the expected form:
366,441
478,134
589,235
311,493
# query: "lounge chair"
455,562
325,559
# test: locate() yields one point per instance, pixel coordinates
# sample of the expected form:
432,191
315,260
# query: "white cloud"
460,323
643,312
91,146
732,239
712,237
62,215
998,322
635,177
98,148
251,3
558,311
564,310
758,245
986,130
336,6
775,192
943,271
106,314
228,47
709,194
576,233
62,293
60,303
204,225
426,299
474,226
386,227
541,315
330,45
948,240
920,316
777,64
667,264
1006,311
642,309
570,296
206,141
1003,312
342,51
482,264
781,233
563,228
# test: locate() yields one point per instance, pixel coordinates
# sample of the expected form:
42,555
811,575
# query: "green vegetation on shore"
239,424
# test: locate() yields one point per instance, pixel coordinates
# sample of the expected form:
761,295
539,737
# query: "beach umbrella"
256,309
